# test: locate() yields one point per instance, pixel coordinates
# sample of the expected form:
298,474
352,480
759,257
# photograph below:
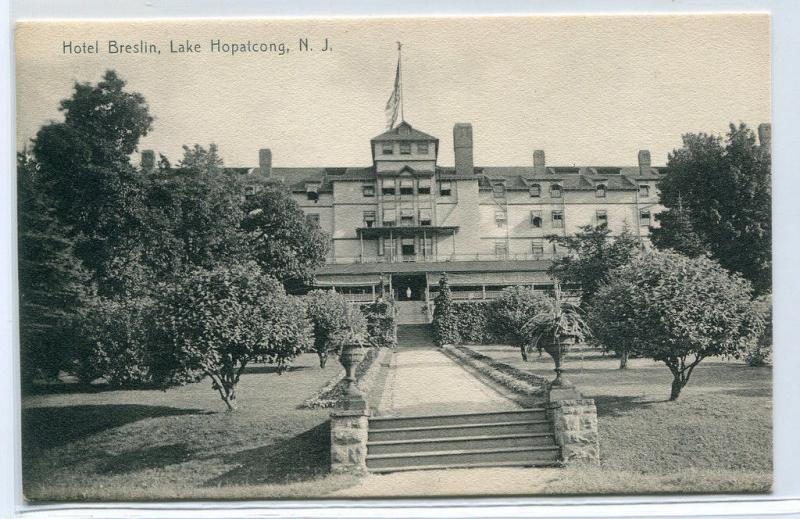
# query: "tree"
725,188
86,174
215,322
281,240
334,322
677,310
511,311
677,232
590,255
53,286
445,324
194,215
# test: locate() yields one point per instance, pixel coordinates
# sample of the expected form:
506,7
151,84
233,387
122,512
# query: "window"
426,244
644,217
388,148
311,191
602,217
406,186
312,219
389,217
422,148
501,248
250,190
644,190
388,186
368,191
536,219
555,191
445,188
600,191
405,148
500,218
424,216
535,190
407,246
369,218
498,190
424,186
537,247
407,217
558,219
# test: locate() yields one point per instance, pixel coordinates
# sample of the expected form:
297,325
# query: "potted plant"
556,326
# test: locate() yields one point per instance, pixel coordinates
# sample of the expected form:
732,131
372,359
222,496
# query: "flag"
393,104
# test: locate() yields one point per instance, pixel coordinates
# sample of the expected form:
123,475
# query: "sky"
586,89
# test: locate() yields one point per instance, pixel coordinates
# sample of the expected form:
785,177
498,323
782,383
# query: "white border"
784,501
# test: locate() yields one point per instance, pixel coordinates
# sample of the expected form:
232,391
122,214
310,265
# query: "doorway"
409,287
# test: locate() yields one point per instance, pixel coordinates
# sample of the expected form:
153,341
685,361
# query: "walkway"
426,381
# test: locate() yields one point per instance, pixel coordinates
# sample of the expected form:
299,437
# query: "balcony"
440,258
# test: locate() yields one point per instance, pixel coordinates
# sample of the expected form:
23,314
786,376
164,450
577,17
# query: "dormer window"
388,148
422,148
405,148
311,192
555,191
498,190
535,190
644,190
600,191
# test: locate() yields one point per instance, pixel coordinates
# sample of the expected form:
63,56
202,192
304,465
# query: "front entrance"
409,287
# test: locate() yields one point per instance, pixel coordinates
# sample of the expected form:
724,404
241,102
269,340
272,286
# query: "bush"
334,322
445,324
475,322
512,311
115,341
758,352
381,326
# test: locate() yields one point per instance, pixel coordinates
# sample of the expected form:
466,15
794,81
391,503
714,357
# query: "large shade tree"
677,310
724,188
86,173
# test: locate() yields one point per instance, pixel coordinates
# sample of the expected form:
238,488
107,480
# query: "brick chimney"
148,160
462,146
765,134
644,161
265,161
538,162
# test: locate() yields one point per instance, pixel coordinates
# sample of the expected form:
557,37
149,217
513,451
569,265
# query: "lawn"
717,437
180,443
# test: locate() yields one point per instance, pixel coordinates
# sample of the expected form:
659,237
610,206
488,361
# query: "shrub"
381,326
758,352
115,340
677,310
334,322
445,324
510,313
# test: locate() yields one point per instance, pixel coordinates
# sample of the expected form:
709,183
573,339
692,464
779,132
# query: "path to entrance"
425,381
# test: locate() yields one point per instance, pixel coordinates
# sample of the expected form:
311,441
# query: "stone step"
512,415
463,443
522,455
469,466
455,431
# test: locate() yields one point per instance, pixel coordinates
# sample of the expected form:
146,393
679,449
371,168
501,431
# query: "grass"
717,437
181,444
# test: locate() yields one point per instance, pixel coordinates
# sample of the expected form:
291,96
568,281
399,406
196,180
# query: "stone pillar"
575,428
349,430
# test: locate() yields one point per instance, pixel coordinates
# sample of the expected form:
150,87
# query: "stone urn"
557,349
352,354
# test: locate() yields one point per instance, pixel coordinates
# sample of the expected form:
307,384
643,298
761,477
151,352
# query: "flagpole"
400,67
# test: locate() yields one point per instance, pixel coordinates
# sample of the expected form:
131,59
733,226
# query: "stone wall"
349,431
575,428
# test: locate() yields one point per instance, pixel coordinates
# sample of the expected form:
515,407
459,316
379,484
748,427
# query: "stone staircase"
521,437
411,312
415,336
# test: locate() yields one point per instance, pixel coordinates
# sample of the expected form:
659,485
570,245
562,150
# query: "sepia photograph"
394,257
